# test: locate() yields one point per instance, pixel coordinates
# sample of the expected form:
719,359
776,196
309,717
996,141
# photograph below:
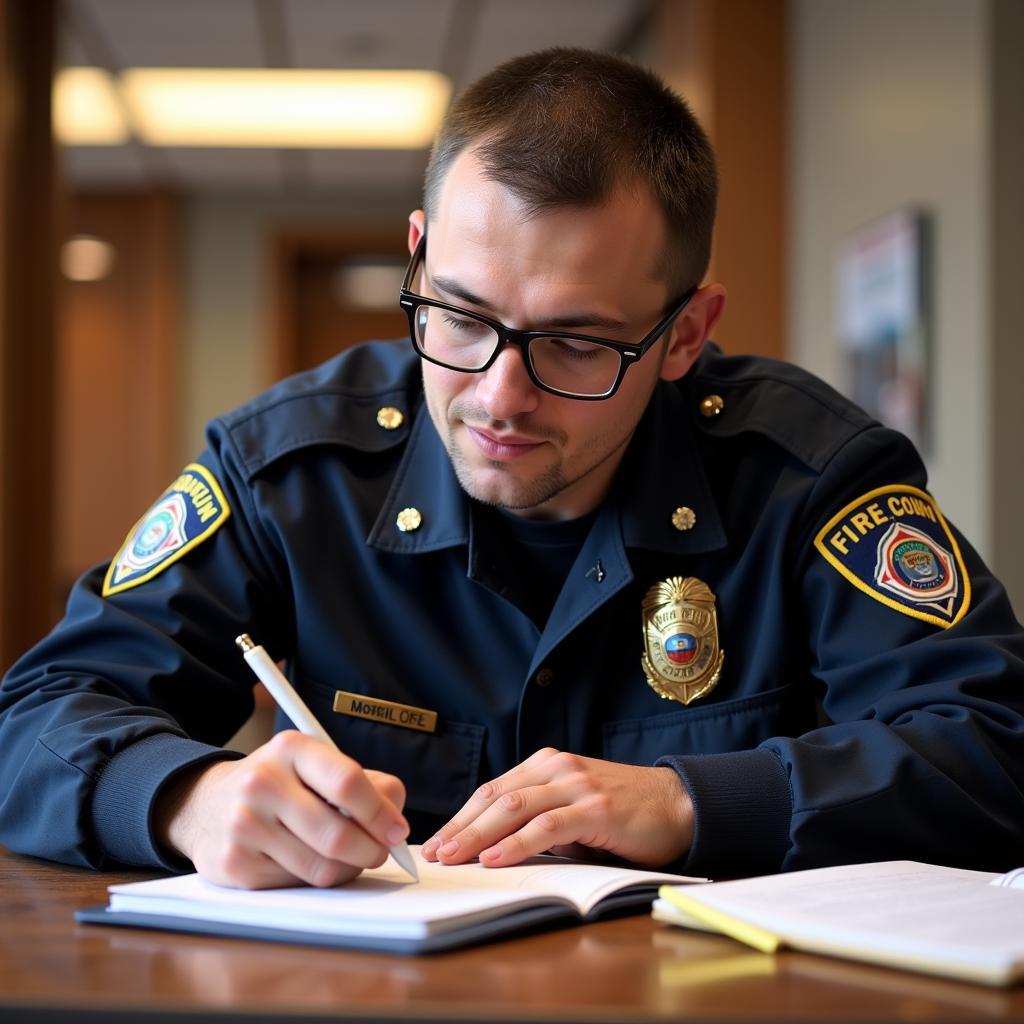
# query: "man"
564,577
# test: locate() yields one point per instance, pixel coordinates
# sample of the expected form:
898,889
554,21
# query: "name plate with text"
404,715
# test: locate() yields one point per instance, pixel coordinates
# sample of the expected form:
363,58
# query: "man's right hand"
271,819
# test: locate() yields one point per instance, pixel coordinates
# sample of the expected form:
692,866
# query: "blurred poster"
883,321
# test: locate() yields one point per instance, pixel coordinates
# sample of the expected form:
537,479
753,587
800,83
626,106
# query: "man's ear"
417,227
692,329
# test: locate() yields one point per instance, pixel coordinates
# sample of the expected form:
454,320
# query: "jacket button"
712,406
409,519
390,418
545,677
684,518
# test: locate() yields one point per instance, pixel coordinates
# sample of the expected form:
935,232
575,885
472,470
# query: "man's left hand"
557,802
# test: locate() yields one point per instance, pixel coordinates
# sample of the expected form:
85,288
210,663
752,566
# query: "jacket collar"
660,473
425,481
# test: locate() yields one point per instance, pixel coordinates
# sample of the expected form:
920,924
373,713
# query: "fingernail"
449,849
396,834
430,846
494,853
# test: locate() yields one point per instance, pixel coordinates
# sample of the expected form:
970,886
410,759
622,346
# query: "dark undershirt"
535,557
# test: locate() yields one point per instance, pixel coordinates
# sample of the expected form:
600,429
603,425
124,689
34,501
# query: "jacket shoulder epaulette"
796,410
337,402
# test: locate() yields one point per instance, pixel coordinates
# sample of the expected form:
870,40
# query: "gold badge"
682,660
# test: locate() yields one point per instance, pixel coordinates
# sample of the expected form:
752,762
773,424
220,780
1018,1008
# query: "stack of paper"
948,921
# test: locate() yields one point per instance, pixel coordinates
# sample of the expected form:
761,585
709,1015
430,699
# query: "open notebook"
386,910
922,917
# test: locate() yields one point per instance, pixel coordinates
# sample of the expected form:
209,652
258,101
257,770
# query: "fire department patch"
894,544
189,511
681,657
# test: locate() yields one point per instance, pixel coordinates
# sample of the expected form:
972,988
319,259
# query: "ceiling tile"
71,52
182,33
201,167
505,30
103,166
371,34
367,169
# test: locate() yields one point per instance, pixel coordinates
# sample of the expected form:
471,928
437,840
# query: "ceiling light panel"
278,107
86,110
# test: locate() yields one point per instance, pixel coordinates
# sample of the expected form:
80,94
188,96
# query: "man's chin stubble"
533,494
525,496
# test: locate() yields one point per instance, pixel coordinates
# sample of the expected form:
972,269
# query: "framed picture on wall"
884,320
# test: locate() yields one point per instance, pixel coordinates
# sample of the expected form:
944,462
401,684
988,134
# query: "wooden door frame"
288,247
28,277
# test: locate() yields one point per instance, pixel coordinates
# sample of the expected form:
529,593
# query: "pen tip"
403,857
244,642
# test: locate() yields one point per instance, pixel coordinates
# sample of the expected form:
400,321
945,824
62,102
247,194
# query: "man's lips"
502,446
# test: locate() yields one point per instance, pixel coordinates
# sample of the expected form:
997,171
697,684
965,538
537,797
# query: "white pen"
292,705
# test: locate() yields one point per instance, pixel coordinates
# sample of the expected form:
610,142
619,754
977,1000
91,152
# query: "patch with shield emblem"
682,659
894,545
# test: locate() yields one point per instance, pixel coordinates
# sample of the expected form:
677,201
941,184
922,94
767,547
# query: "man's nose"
505,389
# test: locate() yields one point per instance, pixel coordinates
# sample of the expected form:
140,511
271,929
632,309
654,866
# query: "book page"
385,900
898,906
1011,880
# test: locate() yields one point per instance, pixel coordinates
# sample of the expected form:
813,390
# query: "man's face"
589,270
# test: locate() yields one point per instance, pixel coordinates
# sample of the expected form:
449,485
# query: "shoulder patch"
894,545
192,509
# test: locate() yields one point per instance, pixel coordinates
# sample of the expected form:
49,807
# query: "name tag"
358,705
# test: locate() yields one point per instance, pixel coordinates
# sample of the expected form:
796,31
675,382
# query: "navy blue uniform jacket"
854,719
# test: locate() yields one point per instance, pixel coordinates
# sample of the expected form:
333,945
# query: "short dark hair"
564,127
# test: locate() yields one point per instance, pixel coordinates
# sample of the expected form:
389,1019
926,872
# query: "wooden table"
630,969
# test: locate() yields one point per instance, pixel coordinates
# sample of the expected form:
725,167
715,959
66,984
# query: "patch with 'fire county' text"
894,544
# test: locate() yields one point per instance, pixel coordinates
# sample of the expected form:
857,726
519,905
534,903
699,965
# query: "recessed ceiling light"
300,108
369,283
87,258
86,110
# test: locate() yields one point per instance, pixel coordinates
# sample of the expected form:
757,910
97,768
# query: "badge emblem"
161,532
916,568
682,659
192,509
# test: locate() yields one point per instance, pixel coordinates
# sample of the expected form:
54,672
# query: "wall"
228,290
1007,296
891,106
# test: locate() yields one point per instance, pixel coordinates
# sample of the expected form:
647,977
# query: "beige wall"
1006,293
892,105
226,341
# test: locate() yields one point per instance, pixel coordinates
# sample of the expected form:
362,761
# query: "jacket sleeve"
130,688
921,752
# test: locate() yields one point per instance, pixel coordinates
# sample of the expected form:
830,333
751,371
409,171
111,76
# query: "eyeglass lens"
465,343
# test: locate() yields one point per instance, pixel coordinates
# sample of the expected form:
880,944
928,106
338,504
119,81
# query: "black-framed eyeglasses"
570,365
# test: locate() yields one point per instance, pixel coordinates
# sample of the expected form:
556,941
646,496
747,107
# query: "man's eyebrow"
448,287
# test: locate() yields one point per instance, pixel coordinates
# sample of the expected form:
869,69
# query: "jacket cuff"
125,792
742,806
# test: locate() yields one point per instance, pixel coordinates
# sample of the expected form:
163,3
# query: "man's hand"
272,819
555,800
